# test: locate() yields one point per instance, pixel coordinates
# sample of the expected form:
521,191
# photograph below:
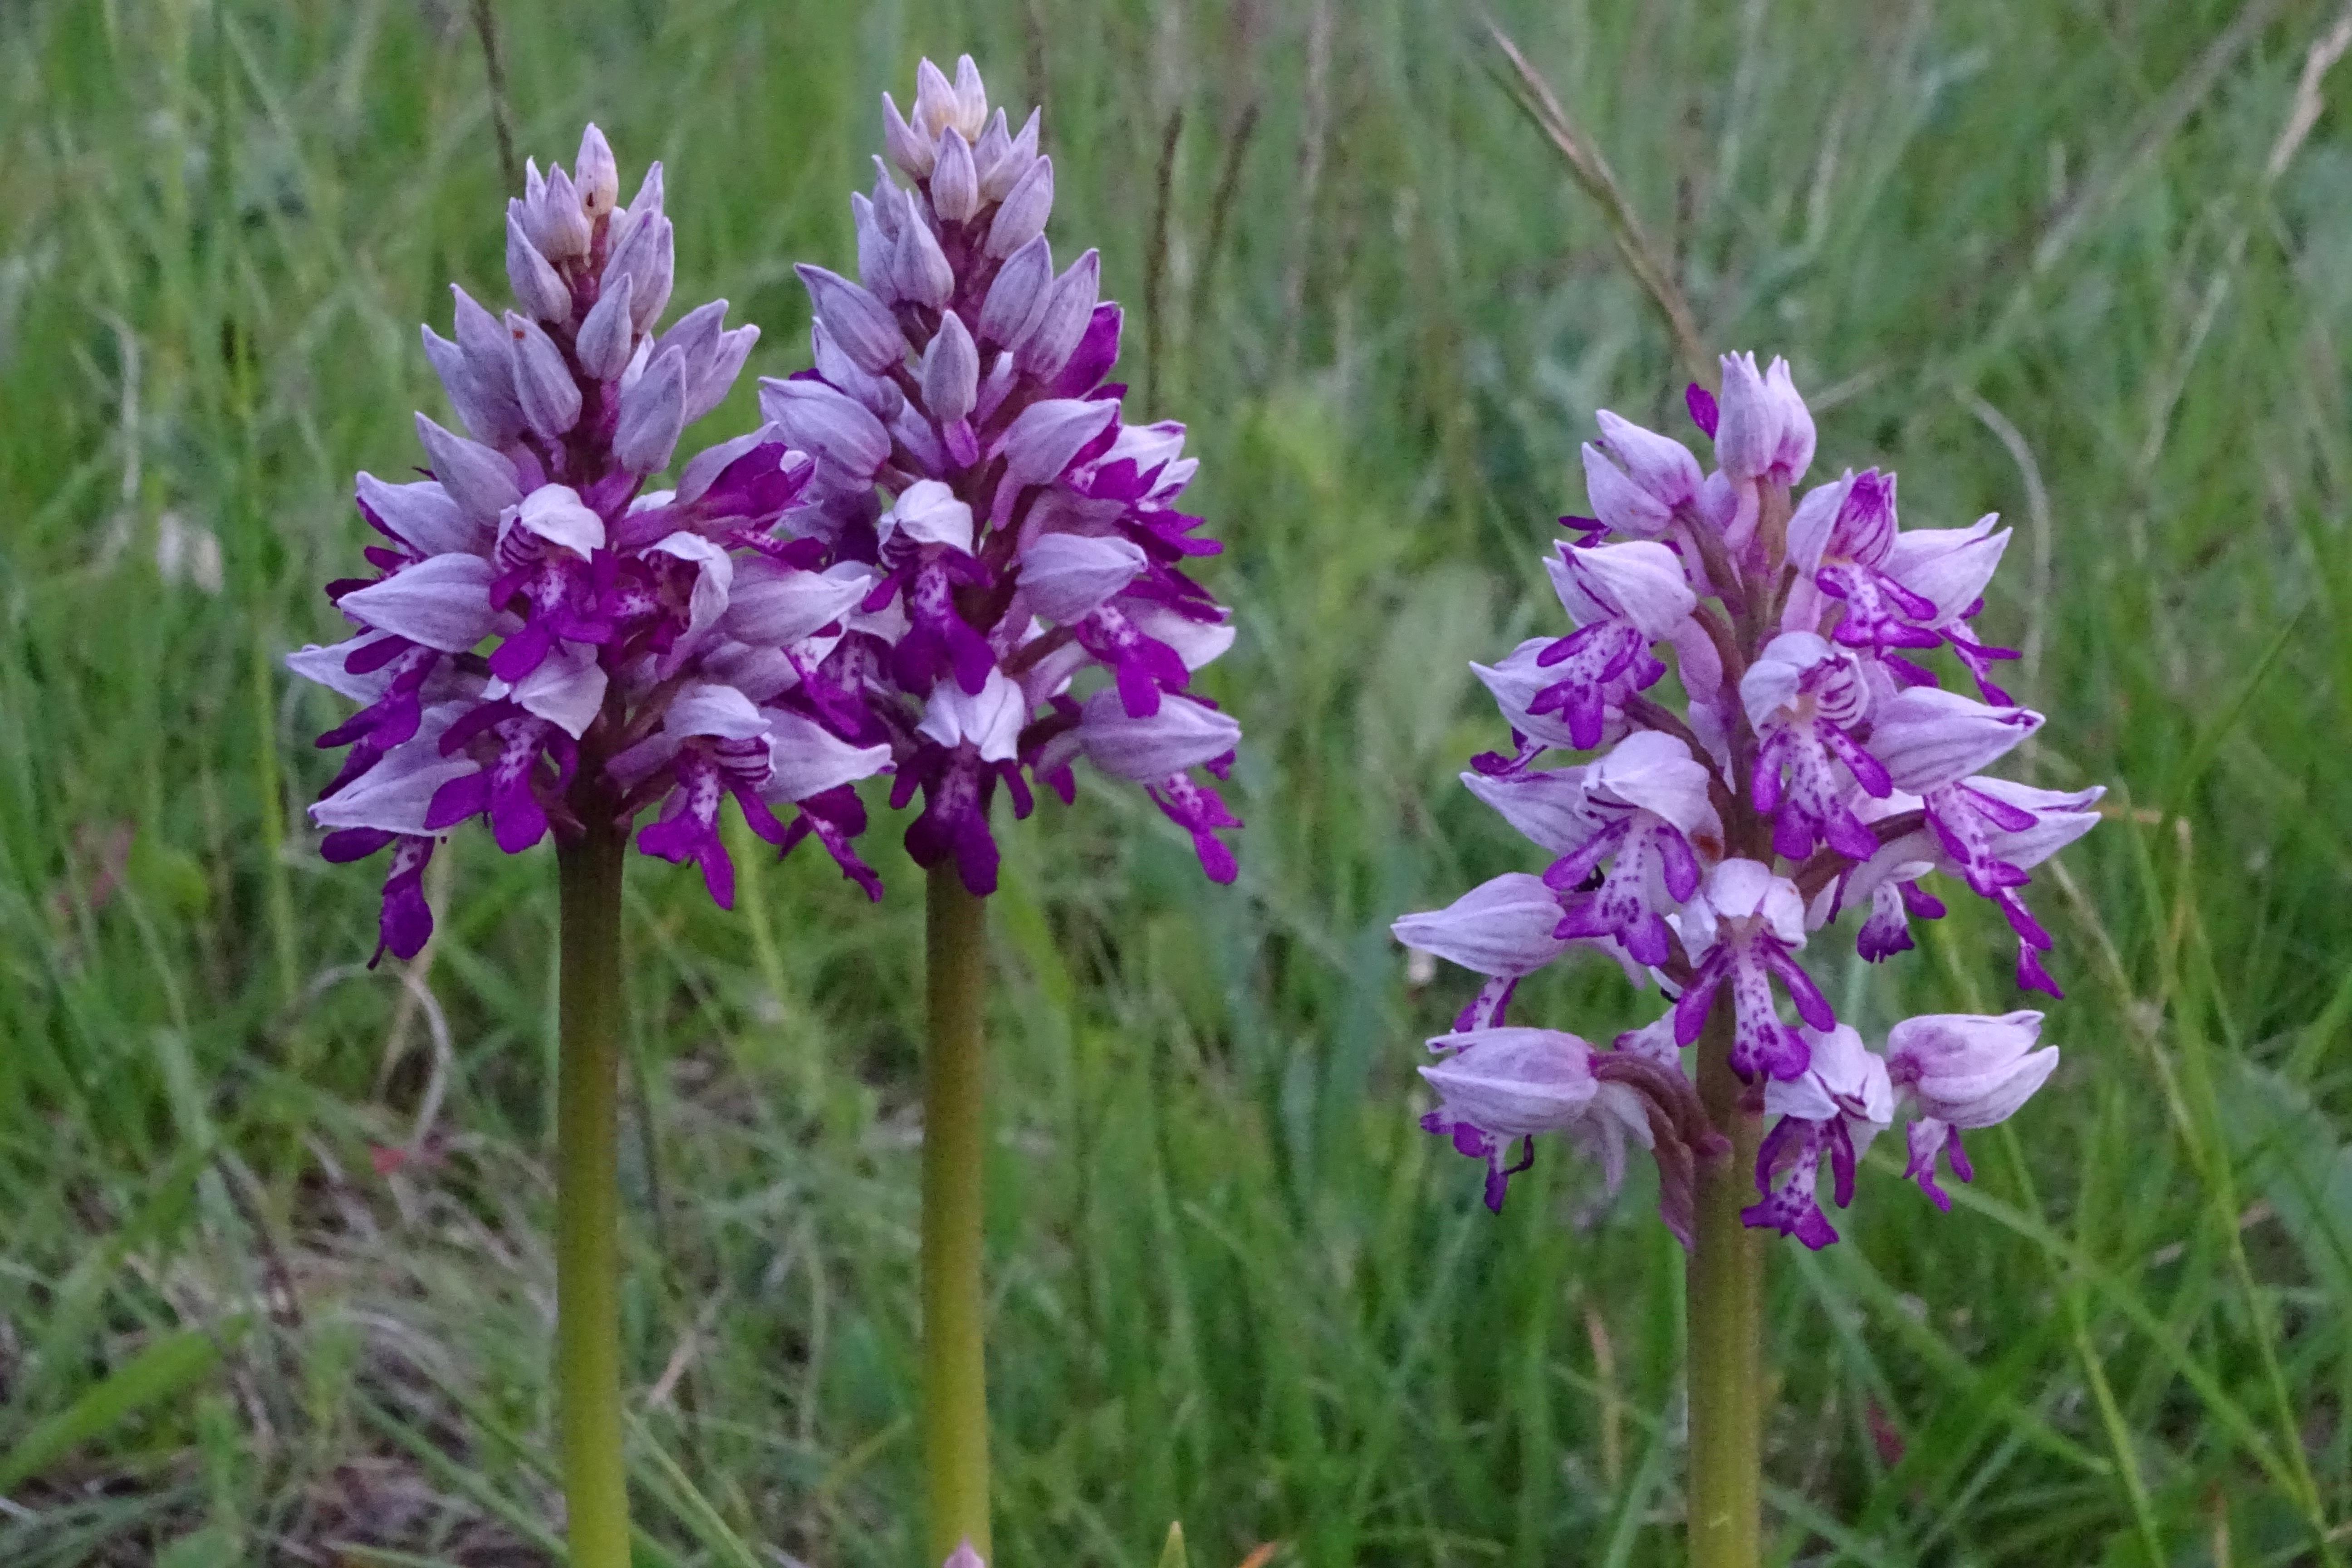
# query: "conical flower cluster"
1813,765
1024,601
544,641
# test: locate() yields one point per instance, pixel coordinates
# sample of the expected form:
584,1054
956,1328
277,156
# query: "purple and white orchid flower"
544,641
1029,603
1815,763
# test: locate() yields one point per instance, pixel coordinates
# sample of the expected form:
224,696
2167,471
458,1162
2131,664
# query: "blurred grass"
2069,260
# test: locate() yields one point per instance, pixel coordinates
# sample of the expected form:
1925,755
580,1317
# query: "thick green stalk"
1726,1290
587,1201
955,1384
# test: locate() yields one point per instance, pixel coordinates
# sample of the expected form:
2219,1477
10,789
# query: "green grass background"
2077,260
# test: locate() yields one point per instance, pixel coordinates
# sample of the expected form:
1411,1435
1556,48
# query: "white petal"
567,690
991,719
807,759
555,514
1656,772
705,708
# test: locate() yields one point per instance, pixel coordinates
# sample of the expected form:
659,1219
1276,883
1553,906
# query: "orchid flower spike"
542,640
1815,763
1029,603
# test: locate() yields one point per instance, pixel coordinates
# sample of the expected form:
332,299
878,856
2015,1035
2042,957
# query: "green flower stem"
955,1385
1726,1288
587,1201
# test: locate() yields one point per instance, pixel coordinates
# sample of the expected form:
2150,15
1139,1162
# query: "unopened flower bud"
1792,453
999,172
1020,290
488,411
1619,501
1026,208
653,413
994,143
1061,320
859,323
881,397
951,372
1661,464
877,250
919,265
648,202
543,383
538,288
608,338
827,424
939,105
995,386
971,98
597,174
955,182
557,223
908,150
647,258
481,481
716,378
1748,427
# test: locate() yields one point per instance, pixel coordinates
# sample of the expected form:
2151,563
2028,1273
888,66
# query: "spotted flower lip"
547,643
1806,759
1031,603
1841,1103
